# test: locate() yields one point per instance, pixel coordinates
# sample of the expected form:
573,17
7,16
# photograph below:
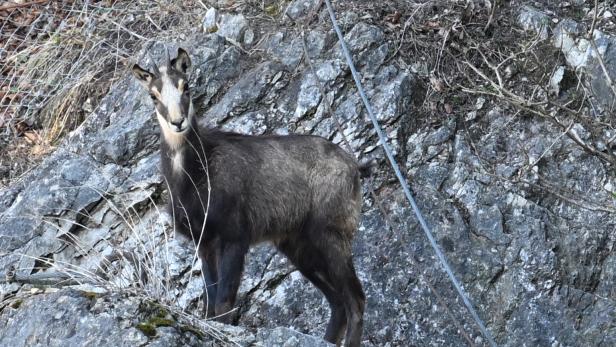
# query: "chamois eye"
153,98
185,92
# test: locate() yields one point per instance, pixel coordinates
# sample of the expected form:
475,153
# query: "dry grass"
462,51
139,264
60,57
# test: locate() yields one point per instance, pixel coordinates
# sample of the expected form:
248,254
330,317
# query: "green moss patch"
193,330
147,329
16,304
156,316
90,295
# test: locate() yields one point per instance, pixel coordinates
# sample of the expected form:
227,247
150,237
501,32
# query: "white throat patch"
177,161
174,139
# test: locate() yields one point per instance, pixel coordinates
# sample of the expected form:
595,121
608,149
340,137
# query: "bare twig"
51,71
25,4
492,11
537,108
47,278
591,32
606,74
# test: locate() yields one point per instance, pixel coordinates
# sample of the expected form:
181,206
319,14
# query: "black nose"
178,124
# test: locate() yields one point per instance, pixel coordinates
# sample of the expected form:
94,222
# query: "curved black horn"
167,60
154,67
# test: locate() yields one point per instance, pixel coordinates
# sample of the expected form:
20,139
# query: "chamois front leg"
230,267
209,255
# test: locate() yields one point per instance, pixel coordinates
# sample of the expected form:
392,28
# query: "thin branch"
26,4
526,105
608,79
491,16
594,21
46,278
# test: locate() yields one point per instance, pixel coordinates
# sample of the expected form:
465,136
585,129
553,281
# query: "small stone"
479,103
534,20
557,77
300,8
232,27
249,37
470,116
209,21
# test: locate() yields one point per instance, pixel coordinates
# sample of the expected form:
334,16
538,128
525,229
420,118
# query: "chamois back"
228,191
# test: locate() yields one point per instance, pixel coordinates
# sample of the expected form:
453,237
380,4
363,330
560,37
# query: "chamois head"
168,88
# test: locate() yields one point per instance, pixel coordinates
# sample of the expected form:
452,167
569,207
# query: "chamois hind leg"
335,247
341,274
354,303
208,253
312,263
230,267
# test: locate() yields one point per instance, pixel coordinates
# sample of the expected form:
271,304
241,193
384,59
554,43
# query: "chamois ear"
182,62
143,76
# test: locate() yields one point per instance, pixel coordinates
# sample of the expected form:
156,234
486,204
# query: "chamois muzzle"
180,125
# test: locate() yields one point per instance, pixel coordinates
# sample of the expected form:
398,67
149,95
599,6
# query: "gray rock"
250,123
210,21
249,38
555,80
532,19
244,93
576,51
539,269
309,95
286,49
581,54
66,318
70,317
363,36
285,337
300,8
315,42
601,87
388,103
488,223
373,60
232,26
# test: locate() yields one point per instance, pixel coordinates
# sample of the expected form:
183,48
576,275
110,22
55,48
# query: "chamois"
228,191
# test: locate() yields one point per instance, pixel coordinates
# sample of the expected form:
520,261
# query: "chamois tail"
366,168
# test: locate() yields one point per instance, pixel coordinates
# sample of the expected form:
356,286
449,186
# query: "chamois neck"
173,142
168,138
183,155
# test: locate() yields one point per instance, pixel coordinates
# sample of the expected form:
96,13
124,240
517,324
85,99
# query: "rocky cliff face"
538,265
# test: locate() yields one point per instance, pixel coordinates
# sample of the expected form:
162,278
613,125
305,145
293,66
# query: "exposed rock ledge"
540,271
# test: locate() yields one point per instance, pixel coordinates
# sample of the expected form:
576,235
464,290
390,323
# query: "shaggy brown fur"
302,193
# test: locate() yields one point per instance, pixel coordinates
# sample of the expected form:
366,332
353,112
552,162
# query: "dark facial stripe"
157,83
162,109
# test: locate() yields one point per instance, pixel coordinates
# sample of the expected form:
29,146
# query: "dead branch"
26,4
537,108
46,279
